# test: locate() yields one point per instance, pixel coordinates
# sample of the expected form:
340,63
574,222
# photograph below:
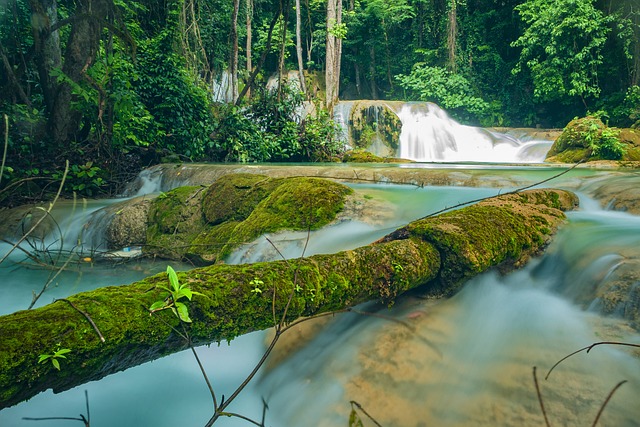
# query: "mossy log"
436,253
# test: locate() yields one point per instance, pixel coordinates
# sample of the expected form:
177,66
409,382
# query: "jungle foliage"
113,85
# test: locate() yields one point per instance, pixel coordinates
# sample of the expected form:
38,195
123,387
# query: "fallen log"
438,253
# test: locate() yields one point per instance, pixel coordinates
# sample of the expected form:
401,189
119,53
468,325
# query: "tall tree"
233,59
44,17
335,34
562,47
86,31
452,35
299,47
248,49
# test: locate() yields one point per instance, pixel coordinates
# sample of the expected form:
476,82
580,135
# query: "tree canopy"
112,85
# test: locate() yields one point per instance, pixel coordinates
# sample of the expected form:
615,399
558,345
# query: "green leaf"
43,357
62,352
184,292
56,364
354,419
183,312
158,305
173,278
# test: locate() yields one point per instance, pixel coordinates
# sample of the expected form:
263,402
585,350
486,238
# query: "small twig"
544,412
607,401
588,349
86,420
516,191
86,315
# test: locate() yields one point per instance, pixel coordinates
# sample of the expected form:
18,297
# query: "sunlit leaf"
157,306
183,312
173,278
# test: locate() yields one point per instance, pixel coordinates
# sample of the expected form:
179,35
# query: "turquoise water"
465,361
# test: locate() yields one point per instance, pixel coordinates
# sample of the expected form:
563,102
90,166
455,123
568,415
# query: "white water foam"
429,134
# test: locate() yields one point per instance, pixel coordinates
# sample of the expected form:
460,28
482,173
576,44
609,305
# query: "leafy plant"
53,357
609,146
256,283
176,291
451,91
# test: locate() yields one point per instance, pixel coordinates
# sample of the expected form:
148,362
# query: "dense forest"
111,86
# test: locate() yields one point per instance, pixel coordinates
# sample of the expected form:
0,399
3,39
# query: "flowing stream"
463,361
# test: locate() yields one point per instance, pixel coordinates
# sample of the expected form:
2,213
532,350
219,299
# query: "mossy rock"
203,225
577,138
375,127
297,204
175,219
234,197
631,137
589,139
128,226
205,249
361,156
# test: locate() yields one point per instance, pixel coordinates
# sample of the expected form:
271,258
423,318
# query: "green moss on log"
432,253
499,231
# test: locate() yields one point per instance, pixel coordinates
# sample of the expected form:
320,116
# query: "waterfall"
341,114
430,135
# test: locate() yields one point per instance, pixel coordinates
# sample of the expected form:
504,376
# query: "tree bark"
452,35
233,59
80,53
303,86
249,41
44,15
333,53
437,253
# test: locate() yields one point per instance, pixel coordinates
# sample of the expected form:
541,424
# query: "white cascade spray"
430,135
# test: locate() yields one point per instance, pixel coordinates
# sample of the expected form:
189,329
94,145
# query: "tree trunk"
333,53
233,59
44,15
282,81
438,253
372,71
452,35
303,86
249,41
80,53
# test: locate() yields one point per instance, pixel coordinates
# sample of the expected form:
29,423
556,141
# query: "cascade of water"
341,113
430,135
